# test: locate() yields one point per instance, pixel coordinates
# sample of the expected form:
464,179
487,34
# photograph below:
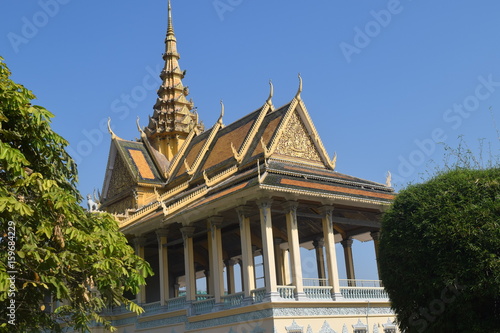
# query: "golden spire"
174,116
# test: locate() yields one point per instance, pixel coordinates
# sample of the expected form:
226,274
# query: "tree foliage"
439,253
63,254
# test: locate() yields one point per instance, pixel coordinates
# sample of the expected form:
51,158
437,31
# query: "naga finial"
143,135
297,96
388,179
113,135
221,112
334,161
271,93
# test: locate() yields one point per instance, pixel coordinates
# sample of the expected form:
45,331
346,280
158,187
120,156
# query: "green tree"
51,249
439,253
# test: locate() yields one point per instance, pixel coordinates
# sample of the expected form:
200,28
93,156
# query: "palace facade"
229,208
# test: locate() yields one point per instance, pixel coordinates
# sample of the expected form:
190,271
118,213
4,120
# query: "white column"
266,227
161,234
246,252
331,256
187,236
294,247
139,243
215,253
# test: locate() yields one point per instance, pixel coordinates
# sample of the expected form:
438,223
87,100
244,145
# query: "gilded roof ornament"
221,112
267,153
162,204
237,156
143,135
388,179
271,93
188,169
113,135
334,161
297,96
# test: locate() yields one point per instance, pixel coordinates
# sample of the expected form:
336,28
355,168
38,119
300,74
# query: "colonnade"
280,268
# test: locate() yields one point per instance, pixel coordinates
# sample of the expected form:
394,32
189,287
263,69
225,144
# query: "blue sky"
384,81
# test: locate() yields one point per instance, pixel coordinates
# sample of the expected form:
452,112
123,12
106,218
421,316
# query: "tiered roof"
270,151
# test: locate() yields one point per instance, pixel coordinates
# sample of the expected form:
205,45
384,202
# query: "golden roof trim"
220,177
315,136
167,210
279,131
323,195
331,180
160,198
204,149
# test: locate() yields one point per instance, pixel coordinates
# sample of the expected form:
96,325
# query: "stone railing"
287,292
363,293
318,292
150,308
204,306
258,295
234,300
176,303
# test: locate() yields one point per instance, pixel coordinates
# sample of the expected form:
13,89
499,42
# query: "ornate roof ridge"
367,186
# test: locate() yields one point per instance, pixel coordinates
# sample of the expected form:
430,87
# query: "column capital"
187,232
278,240
264,203
326,210
290,206
347,242
375,235
215,221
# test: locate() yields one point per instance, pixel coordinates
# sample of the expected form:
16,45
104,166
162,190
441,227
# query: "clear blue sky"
383,80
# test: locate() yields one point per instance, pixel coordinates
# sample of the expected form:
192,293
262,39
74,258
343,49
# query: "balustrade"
318,292
258,295
363,293
176,303
203,306
151,308
287,292
234,300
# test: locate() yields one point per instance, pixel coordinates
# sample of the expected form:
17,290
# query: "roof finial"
113,135
143,135
388,179
221,112
271,93
170,29
297,96
172,113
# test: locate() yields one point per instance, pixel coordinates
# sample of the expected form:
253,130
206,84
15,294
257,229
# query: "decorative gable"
120,178
296,141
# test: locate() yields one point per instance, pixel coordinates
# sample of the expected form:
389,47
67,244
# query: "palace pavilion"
230,208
